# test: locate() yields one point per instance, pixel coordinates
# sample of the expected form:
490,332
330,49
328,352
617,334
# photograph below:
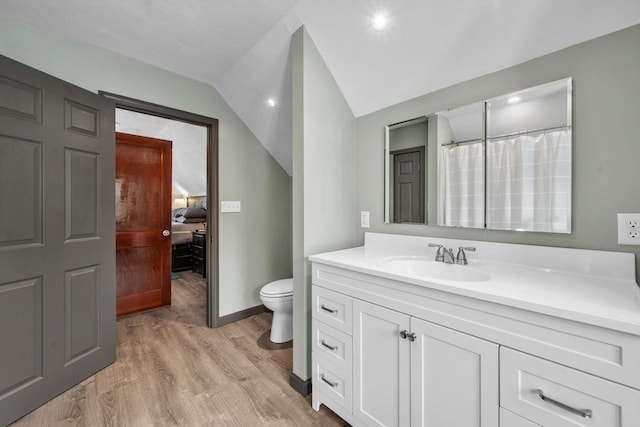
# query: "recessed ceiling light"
513,99
379,21
271,102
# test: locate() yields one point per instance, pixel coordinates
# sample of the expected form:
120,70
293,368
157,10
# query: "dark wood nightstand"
199,250
181,257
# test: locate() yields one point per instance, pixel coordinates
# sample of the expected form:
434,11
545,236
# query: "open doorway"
194,198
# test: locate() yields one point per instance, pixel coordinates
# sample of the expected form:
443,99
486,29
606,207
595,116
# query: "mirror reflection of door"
408,204
407,168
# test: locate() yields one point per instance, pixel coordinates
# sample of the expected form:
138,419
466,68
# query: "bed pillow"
194,213
177,212
186,220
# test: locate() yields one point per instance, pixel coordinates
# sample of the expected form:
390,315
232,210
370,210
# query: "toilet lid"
278,288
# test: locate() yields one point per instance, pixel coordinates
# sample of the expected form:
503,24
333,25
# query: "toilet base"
281,327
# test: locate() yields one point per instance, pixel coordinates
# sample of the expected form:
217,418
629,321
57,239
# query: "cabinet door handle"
322,377
327,309
330,347
585,413
407,335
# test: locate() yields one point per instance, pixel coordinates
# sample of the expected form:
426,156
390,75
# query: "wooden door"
408,191
454,378
143,223
57,237
380,366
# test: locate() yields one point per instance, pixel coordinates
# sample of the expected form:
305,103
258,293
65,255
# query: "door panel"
381,366
143,212
22,361
453,378
82,186
57,245
81,312
20,191
409,186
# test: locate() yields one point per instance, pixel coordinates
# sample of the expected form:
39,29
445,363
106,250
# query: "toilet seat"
279,288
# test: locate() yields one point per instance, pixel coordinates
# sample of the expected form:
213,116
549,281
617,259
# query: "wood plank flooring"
173,370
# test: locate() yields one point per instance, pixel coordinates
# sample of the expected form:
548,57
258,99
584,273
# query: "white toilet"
278,297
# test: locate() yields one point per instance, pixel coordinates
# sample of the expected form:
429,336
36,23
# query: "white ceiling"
241,47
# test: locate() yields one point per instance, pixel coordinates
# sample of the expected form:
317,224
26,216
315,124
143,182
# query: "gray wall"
410,136
324,180
255,245
606,141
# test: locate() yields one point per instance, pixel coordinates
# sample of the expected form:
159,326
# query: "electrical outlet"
364,219
629,229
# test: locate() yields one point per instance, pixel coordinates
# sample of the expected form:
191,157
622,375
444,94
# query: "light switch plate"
364,219
629,229
230,206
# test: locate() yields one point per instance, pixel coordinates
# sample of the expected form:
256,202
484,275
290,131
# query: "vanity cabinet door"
454,378
380,366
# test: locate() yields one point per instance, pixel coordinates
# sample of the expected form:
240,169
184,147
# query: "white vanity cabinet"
411,372
382,371
389,352
453,378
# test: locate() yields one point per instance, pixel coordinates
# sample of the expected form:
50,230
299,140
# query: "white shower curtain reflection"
529,182
461,185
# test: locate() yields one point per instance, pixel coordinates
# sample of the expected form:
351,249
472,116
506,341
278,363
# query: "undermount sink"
426,268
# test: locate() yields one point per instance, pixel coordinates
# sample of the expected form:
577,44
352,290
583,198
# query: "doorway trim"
126,103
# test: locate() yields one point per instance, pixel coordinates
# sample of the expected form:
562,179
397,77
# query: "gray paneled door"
408,190
57,237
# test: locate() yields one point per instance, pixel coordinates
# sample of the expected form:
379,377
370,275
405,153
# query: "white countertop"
599,299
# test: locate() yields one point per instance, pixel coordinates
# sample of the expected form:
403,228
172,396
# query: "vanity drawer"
331,344
553,395
509,419
332,381
332,308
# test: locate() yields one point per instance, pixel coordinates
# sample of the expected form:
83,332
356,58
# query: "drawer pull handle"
327,309
585,413
322,377
330,347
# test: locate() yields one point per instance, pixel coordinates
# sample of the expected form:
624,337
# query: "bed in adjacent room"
184,221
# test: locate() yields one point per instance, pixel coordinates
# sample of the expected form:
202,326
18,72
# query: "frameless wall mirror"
529,159
501,164
461,154
406,171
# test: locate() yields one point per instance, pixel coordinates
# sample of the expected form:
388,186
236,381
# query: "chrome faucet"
443,254
439,252
448,256
461,258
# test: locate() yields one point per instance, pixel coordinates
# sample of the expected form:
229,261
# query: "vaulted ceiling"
241,47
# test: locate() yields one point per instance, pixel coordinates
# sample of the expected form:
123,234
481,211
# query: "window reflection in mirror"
461,166
405,165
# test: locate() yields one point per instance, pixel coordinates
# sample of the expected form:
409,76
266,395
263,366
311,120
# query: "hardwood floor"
173,370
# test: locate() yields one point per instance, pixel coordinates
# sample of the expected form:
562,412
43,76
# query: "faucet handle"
440,251
461,258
